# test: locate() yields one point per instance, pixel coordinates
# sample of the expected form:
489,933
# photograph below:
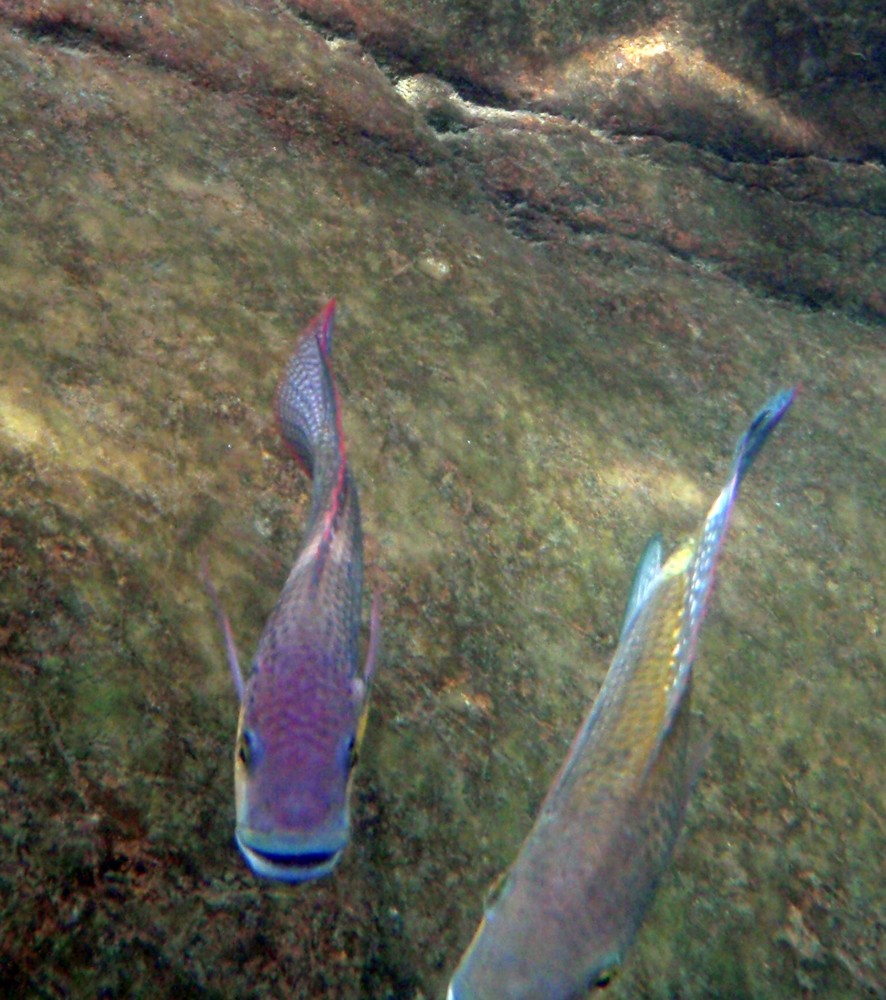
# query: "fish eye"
604,978
247,747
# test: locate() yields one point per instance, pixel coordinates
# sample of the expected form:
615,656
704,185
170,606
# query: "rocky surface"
574,248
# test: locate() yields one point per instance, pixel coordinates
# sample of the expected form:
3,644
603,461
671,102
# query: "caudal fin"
309,418
704,563
755,436
306,404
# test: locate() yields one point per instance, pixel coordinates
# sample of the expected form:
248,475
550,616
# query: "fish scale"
561,919
303,707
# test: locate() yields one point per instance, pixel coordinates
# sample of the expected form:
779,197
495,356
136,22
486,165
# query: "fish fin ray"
227,631
760,427
699,561
645,579
703,570
306,405
360,685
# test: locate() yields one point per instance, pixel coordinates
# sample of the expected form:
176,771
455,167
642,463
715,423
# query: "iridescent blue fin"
645,577
756,434
703,568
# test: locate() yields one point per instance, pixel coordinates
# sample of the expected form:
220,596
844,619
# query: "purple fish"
303,707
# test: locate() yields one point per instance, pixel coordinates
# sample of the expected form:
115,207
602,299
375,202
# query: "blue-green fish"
303,706
560,920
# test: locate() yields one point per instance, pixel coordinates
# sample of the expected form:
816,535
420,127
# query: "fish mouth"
296,865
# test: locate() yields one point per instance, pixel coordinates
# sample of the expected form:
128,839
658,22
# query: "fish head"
300,725
523,950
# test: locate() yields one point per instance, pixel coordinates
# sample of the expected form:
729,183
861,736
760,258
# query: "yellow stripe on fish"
564,914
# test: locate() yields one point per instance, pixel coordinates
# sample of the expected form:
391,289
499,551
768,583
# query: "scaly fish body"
303,706
564,914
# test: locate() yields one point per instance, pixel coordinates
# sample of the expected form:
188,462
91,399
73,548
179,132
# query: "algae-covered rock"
549,337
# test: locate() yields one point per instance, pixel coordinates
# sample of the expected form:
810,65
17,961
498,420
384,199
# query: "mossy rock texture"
572,256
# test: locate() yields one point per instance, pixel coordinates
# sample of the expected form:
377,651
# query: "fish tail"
309,419
306,404
755,436
704,563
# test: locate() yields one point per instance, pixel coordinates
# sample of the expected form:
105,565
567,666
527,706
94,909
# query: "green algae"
518,427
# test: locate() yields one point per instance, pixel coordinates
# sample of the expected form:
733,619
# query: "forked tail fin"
704,562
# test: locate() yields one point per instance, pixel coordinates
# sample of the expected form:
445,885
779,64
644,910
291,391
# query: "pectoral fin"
360,685
227,631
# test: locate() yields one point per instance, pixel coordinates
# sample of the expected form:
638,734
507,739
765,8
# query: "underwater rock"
542,319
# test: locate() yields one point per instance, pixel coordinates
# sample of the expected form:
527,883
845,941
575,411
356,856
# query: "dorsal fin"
645,577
